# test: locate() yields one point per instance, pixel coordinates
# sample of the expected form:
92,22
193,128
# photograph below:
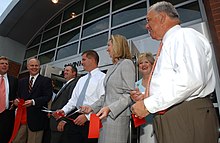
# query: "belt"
162,112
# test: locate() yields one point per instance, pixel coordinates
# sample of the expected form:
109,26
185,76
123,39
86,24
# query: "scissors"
47,110
77,111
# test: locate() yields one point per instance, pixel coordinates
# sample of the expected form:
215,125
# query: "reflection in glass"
73,23
54,22
69,37
24,66
93,3
96,13
67,51
191,9
96,27
75,8
50,33
48,45
46,58
132,30
129,14
31,52
117,4
35,41
174,2
94,42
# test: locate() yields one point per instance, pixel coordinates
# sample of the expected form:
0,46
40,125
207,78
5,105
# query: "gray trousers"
193,121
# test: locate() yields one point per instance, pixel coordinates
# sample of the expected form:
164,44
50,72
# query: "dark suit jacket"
7,117
41,93
61,100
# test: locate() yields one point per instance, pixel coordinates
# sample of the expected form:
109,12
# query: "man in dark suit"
62,97
36,90
7,115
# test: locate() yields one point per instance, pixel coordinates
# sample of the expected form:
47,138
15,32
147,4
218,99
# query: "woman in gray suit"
113,107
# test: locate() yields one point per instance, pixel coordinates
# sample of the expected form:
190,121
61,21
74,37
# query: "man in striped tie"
36,91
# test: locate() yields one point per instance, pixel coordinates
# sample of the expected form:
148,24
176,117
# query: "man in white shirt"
78,130
181,83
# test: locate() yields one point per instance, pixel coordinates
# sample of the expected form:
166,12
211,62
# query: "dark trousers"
77,134
6,125
193,121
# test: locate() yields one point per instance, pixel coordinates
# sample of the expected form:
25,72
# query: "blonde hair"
147,56
121,49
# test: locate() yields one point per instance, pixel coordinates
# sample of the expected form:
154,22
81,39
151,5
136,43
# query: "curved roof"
27,17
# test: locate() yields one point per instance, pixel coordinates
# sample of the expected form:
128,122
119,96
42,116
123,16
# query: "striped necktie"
152,70
30,84
2,94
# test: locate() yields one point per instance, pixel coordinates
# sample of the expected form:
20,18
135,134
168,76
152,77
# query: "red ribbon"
20,118
94,126
137,121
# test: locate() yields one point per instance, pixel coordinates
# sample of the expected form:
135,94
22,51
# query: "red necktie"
152,70
2,94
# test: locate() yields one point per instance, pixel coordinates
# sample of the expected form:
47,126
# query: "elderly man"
181,82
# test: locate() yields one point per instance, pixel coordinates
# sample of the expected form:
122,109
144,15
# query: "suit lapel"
61,90
36,83
111,71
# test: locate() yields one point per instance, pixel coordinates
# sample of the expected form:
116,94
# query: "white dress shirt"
94,90
184,70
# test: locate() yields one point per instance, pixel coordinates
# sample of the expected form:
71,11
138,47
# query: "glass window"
94,42
96,27
54,22
67,51
46,58
117,4
93,3
74,10
174,2
50,33
129,14
96,13
74,22
48,45
69,37
24,66
36,40
31,52
191,9
132,30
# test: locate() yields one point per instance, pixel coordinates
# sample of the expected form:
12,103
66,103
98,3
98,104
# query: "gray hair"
165,7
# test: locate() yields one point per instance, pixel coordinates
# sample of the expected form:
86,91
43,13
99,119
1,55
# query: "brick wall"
14,68
212,8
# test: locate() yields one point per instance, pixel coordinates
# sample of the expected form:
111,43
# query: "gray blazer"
118,82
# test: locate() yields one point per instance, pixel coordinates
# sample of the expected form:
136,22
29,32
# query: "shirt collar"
170,31
35,77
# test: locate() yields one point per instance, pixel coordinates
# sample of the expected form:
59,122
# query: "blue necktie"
83,92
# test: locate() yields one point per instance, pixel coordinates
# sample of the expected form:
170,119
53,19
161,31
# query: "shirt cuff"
33,102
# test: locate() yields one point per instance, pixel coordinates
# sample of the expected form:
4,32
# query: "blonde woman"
145,63
113,107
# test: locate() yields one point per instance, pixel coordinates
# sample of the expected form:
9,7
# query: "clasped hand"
103,113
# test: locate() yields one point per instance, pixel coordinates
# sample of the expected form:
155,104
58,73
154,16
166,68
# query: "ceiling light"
73,15
55,1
